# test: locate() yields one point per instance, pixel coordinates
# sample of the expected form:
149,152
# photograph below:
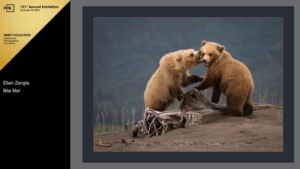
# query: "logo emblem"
9,8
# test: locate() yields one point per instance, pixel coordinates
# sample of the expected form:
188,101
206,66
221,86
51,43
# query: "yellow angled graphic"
21,21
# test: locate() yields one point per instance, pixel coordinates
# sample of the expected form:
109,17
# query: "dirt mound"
260,132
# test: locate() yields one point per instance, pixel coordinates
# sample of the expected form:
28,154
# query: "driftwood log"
192,109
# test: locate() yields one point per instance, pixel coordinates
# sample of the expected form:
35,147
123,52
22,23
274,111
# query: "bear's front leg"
196,78
206,83
190,79
180,97
216,94
176,93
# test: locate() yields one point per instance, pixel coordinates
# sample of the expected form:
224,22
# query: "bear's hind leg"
162,106
234,106
158,105
248,108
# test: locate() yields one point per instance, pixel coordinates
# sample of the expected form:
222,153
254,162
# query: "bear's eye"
210,54
192,54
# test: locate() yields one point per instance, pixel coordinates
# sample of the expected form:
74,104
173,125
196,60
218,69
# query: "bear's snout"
198,57
200,54
205,62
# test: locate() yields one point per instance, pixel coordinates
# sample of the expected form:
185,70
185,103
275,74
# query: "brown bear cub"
165,85
228,76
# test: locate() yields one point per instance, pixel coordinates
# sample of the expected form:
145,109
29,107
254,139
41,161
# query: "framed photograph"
122,50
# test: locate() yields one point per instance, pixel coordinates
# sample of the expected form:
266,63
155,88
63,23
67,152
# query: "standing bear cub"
165,85
228,76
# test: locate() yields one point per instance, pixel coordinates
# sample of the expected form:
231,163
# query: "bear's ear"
178,59
203,42
220,48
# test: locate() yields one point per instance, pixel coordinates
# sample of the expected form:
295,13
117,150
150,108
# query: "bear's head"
186,59
210,52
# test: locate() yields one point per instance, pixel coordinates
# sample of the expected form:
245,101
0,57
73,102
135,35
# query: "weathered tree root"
157,123
192,108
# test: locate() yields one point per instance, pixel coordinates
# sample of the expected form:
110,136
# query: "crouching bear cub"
165,85
228,76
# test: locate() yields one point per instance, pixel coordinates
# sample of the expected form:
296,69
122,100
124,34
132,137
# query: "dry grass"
102,124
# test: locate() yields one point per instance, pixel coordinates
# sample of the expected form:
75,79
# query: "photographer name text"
14,86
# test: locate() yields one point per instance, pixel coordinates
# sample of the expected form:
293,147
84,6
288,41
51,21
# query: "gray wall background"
76,77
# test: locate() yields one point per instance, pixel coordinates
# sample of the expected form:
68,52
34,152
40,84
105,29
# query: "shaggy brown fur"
165,85
228,76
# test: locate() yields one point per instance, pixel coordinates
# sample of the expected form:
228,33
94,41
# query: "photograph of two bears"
217,80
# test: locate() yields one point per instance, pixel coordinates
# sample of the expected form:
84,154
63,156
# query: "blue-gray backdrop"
127,52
